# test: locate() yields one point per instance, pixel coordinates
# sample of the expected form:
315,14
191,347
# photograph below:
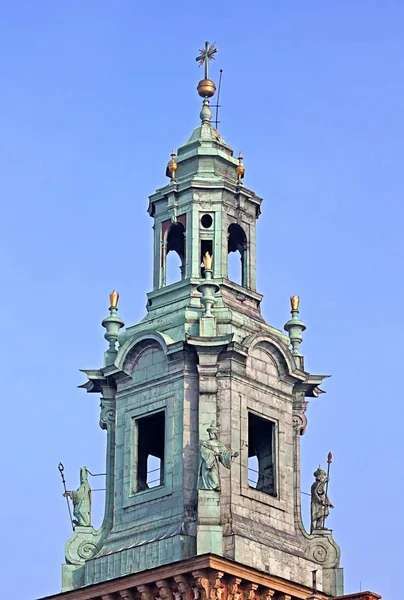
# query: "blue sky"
93,97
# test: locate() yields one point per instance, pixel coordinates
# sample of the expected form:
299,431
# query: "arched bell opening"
237,262
174,267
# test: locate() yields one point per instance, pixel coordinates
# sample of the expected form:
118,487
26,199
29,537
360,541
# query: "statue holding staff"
320,502
81,499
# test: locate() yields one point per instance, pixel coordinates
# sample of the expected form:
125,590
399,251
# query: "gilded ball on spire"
206,88
173,166
240,169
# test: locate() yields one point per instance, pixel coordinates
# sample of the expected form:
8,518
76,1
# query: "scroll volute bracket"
233,590
164,589
266,593
249,591
208,585
184,590
216,589
202,587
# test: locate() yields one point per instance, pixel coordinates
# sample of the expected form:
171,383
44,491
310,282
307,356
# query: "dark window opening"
206,246
175,253
237,242
150,451
206,221
261,454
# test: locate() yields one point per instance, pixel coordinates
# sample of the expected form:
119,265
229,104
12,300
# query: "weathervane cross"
206,55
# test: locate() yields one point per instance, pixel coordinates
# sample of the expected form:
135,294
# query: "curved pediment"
142,350
267,349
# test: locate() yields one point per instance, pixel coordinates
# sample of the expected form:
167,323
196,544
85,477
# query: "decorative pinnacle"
172,166
294,326
294,302
240,169
206,113
112,325
206,87
208,288
113,299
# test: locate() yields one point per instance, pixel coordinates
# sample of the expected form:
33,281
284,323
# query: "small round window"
206,221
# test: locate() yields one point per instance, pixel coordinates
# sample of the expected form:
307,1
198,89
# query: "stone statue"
320,503
212,452
81,499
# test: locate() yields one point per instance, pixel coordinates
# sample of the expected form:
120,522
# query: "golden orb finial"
240,169
113,299
172,166
206,88
294,302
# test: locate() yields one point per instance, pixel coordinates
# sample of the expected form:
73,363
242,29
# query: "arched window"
175,254
237,242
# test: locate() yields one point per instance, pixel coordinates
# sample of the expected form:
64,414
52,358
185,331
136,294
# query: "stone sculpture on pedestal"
320,503
81,499
213,452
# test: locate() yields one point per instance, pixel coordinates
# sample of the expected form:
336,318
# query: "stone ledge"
358,596
206,577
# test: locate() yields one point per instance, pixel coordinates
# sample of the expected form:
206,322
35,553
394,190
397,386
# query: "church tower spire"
203,403
205,208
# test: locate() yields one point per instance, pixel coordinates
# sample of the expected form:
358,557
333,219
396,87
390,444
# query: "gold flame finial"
240,169
207,261
294,302
113,299
173,165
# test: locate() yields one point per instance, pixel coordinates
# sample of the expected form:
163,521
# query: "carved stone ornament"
164,588
216,590
145,592
184,589
107,416
126,595
299,423
266,593
233,592
299,416
197,593
250,591
212,453
201,588
324,550
82,546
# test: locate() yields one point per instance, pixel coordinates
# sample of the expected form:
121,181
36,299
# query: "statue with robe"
320,502
212,453
81,499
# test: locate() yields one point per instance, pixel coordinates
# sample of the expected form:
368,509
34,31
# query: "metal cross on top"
206,55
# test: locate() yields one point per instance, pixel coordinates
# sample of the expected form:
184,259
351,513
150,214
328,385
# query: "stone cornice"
209,577
359,596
